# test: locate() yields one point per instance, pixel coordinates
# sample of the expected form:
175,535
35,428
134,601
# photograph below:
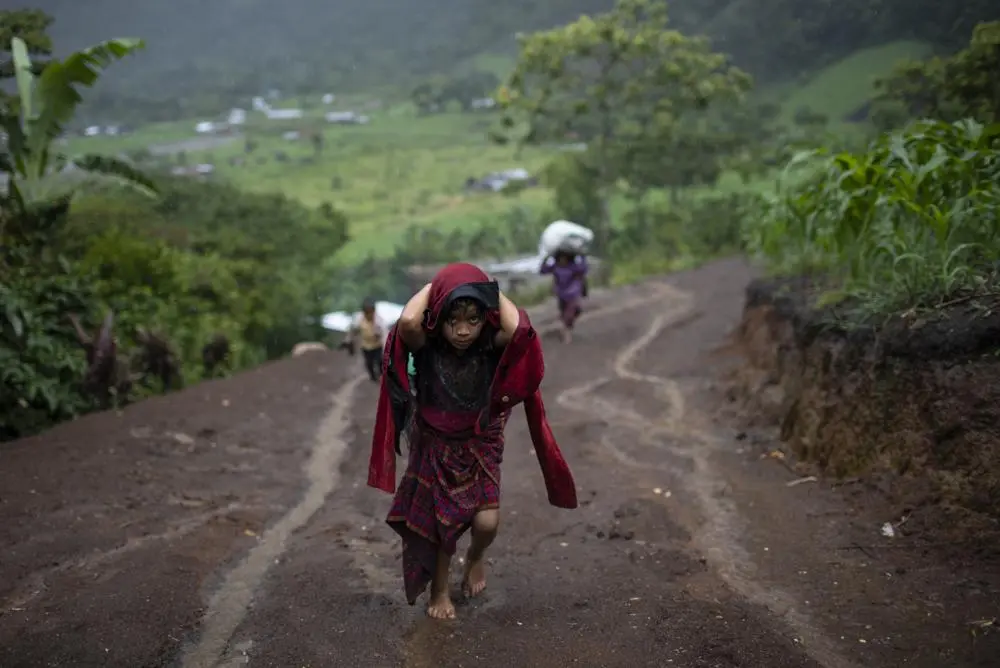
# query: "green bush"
41,365
669,237
202,260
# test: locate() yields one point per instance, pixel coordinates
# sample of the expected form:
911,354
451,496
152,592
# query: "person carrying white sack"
564,245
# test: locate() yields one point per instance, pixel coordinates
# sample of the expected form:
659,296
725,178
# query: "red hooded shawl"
517,380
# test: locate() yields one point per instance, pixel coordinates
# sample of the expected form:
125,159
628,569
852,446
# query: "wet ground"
230,525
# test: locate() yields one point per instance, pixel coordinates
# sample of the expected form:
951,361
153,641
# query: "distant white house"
497,181
329,98
237,117
203,169
93,131
283,114
205,127
346,118
483,103
292,135
259,104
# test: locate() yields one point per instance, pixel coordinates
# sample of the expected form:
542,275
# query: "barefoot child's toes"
475,578
441,607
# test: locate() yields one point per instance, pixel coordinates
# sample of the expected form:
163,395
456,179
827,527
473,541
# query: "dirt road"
230,525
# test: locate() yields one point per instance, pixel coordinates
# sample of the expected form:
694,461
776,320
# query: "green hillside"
404,170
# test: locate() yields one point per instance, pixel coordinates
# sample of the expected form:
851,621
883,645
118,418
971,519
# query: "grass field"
403,169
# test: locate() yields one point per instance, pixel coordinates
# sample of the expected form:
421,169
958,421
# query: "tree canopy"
629,85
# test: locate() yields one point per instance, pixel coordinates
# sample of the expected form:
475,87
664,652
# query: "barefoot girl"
476,356
569,279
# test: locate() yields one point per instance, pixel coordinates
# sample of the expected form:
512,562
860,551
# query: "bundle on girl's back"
563,235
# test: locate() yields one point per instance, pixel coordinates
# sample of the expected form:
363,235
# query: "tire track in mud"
677,432
228,605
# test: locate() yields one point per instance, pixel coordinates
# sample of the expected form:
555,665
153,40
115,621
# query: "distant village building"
292,135
329,98
497,181
237,117
114,130
346,118
203,169
206,128
482,103
283,114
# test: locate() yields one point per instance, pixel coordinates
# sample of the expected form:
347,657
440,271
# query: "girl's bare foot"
474,581
440,606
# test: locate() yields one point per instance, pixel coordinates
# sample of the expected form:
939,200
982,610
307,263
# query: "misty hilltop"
343,43
240,47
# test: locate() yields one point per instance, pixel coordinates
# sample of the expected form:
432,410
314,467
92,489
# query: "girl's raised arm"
510,318
411,320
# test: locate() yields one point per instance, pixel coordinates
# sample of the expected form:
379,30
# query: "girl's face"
564,260
464,324
369,313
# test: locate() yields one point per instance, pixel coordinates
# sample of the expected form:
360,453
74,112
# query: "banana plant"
45,103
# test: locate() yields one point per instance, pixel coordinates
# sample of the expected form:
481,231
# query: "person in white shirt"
371,330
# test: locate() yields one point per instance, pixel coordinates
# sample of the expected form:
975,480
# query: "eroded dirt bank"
911,408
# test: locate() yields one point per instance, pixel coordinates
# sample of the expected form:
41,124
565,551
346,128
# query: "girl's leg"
440,605
484,530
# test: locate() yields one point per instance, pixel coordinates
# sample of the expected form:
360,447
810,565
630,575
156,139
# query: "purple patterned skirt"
448,480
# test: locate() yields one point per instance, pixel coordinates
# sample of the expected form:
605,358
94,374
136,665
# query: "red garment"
518,378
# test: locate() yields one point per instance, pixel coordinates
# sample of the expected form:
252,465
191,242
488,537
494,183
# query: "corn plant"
911,222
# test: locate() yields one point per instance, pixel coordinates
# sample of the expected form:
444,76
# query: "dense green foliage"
199,261
963,85
911,222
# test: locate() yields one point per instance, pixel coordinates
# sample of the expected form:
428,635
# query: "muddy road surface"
230,525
